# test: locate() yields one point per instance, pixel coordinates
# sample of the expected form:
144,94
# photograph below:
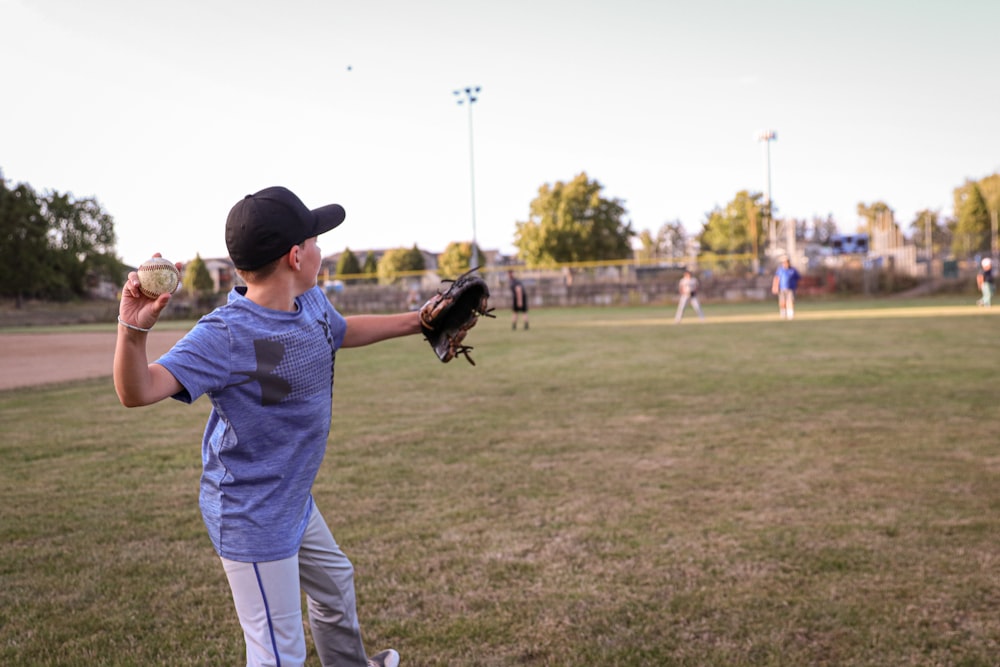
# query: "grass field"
604,489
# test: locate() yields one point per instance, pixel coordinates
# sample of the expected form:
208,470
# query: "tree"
572,222
399,261
23,243
878,213
456,259
53,246
801,227
371,267
928,220
348,265
82,240
823,229
198,281
735,229
648,247
673,240
989,187
976,205
972,230
669,242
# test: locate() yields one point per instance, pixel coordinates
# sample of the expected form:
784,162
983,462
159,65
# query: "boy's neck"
275,294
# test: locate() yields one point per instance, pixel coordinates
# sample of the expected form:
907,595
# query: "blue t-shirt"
788,277
269,376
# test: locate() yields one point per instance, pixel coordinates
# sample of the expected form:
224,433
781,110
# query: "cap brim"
328,217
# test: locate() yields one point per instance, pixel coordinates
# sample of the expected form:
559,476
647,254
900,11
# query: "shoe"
387,658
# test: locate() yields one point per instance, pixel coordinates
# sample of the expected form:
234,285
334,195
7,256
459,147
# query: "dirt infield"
28,359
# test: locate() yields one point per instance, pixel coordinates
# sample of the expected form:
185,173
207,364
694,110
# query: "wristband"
132,326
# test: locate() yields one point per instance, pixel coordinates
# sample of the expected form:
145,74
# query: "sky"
169,112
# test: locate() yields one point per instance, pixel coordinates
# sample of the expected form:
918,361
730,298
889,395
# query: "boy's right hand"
137,309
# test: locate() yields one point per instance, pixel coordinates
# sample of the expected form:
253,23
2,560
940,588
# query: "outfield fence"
617,283
609,283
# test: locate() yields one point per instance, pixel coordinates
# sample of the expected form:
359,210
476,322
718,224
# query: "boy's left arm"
368,329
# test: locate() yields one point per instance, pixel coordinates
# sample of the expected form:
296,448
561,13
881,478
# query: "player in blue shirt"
265,360
786,280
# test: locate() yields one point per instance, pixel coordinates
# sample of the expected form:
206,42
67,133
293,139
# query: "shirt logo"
273,388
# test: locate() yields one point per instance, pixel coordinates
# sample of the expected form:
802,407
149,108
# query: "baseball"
158,276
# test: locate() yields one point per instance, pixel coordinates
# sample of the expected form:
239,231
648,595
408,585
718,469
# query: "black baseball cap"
264,226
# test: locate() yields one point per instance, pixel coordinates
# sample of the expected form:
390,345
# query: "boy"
519,301
687,288
784,284
984,280
266,362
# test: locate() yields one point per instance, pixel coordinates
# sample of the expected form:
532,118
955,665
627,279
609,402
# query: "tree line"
573,221
54,246
568,222
740,227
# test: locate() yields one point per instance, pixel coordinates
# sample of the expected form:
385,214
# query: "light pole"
767,136
471,94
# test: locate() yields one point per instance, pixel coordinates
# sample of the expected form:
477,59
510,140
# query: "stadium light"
767,136
469,95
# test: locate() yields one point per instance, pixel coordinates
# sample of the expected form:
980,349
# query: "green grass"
604,489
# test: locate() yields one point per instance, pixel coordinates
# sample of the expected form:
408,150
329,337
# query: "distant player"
786,280
687,287
519,301
984,279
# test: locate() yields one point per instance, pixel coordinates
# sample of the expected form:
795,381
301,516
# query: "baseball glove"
449,314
